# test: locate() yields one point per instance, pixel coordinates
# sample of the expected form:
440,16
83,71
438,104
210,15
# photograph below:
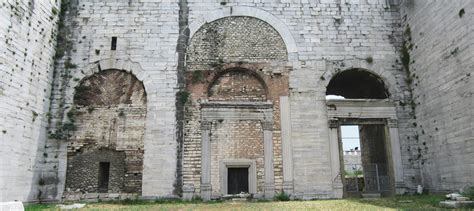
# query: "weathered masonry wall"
234,39
145,35
242,139
323,38
108,121
440,38
27,41
242,60
267,61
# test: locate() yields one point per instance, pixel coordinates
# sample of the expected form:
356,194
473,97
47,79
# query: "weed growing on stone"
182,97
461,12
198,76
369,59
282,196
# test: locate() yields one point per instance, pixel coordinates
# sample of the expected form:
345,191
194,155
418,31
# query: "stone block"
12,206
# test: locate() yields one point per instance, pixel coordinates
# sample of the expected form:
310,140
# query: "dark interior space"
237,180
357,84
374,158
104,172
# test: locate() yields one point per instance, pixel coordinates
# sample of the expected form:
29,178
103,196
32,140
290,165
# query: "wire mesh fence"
371,177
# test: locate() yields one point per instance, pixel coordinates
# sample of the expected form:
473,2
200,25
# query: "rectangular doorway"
365,159
353,175
237,180
104,173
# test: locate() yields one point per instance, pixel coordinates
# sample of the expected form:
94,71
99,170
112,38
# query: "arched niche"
234,39
110,87
107,118
237,85
275,22
357,84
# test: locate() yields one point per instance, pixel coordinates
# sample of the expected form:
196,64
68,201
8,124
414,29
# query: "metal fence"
366,178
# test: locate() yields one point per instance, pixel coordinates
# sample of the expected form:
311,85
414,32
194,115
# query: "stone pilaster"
287,153
396,156
206,161
268,153
335,158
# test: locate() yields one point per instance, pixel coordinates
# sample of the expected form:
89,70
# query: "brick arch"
128,66
245,72
265,16
109,87
388,78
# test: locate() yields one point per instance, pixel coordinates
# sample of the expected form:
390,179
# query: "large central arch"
238,64
276,23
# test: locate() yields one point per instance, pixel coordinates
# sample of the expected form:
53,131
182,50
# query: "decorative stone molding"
247,163
262,111
237,104
188,191
361,109
269,190
368,111
333,123
206,191
267,125
392,123
206,125
288,187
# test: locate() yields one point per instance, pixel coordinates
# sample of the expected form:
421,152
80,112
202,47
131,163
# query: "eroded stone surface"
234,39
294,47
109,116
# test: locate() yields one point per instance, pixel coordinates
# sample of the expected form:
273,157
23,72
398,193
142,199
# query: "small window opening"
104,172
114,44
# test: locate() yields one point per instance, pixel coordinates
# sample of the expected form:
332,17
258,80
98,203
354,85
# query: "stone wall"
245,62
236,140
27,40
323,38
294,47
146,35
439,38
82,174
234,39
276,85
108,120
237,86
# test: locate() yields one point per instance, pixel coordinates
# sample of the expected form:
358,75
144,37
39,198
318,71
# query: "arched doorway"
361,117
105,148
